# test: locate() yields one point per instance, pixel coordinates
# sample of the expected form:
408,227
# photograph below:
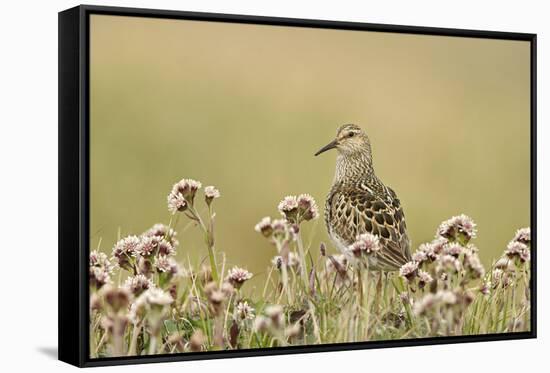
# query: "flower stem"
283,250
303,269
208,238
133,343
153,345
212,258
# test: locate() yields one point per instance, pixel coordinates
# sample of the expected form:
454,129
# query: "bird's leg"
378,292
360,286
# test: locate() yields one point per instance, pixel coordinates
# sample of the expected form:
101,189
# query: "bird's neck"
354,168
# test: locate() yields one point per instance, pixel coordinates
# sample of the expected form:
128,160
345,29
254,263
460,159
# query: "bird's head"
350,140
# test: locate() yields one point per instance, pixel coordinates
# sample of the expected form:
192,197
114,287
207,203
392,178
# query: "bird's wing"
358,212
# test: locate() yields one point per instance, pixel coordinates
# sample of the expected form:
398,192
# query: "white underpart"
340,244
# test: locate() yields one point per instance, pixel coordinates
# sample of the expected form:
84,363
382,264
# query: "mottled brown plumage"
358,202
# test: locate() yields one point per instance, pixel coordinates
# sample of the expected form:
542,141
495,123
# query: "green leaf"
171,326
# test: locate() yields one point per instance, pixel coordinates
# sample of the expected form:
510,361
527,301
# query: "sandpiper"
358,202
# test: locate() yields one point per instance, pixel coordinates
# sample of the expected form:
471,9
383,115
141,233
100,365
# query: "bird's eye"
351,134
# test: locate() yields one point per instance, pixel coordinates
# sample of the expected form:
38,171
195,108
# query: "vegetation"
309,297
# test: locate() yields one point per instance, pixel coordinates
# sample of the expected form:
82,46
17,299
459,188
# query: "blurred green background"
244,107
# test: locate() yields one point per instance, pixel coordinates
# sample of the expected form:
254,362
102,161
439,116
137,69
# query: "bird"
359,202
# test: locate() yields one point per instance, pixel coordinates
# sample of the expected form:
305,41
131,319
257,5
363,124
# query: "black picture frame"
74,181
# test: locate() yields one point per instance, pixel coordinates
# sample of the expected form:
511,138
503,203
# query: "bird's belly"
339,242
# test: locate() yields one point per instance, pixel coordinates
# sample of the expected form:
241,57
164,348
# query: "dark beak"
330,145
